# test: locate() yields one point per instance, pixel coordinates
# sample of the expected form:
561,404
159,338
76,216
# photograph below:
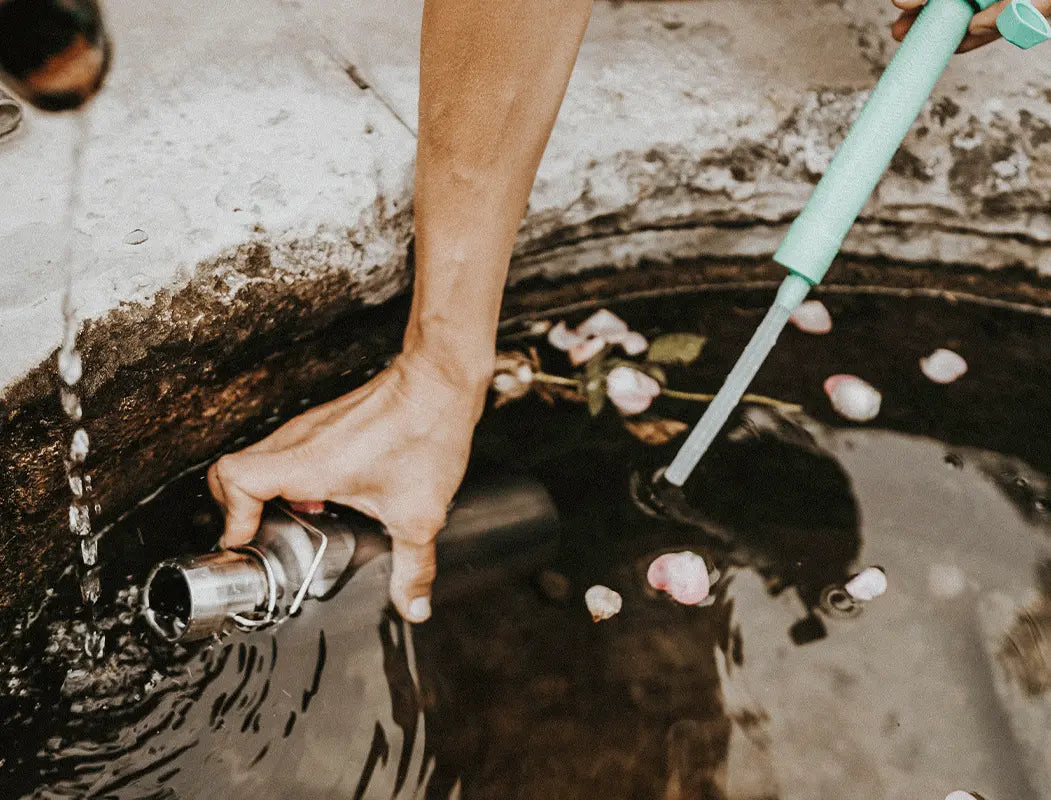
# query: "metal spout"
192,598
53,53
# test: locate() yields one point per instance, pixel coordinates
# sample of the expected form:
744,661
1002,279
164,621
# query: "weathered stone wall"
266,154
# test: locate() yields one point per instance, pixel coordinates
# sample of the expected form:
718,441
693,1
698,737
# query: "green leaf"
676,348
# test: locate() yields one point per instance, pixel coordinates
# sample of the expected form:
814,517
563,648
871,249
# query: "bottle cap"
1023,25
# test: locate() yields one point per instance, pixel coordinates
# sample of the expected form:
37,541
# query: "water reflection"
324,708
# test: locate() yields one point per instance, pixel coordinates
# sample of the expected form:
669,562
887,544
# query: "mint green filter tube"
818,233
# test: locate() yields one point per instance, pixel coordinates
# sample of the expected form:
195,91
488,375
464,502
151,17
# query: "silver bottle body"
194,597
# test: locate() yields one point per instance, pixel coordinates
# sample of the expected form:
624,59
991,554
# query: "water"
512,691
70,371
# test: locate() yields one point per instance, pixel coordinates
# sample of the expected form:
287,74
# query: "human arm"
492,76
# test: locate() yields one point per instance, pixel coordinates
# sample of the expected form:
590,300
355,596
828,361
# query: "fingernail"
222,542
419,609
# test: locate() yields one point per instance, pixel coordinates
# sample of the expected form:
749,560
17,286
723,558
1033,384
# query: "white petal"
868,584
853,398
630,390
562,338
602,602
812,317
943,366
682,575
602,323
958,795
632,342
585,351
627,380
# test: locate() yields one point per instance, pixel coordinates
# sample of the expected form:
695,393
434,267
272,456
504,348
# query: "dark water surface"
511,691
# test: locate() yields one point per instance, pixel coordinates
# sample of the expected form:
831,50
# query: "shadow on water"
512,691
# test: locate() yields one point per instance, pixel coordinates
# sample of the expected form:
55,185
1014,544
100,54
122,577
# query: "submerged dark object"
295,557
54,53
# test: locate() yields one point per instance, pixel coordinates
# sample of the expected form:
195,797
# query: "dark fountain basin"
512,691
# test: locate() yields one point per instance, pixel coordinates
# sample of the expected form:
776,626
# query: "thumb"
412,572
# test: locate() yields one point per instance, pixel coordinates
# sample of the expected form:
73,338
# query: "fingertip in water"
419,610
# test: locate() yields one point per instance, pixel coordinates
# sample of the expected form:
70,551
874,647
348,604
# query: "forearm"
492,76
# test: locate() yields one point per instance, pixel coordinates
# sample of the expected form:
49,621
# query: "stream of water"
82,505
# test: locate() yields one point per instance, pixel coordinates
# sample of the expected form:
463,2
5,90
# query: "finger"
215,486
242,482
412,573
243,514
985,21
974,41
903,23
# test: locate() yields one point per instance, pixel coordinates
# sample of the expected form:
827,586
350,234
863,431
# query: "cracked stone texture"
262,160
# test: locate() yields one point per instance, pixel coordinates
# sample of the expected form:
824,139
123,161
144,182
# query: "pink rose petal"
630,390
632,342
943,366
561,338
585,351
683,575
309,507
812,317
602,323
853,398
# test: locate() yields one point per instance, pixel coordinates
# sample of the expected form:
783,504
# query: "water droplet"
70,367
79,519
137,236
95,644
90,587
954,460
78,449
71,404
89,550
